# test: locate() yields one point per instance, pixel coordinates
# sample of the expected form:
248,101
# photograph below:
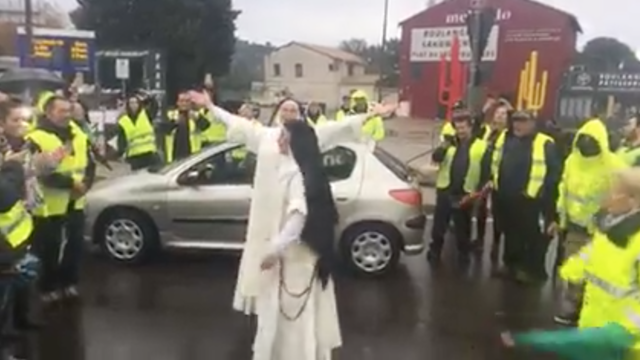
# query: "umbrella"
609,342
22,80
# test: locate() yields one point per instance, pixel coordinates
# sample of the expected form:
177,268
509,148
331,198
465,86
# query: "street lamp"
383,48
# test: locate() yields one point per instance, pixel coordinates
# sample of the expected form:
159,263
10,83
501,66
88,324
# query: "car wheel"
371,248
127,236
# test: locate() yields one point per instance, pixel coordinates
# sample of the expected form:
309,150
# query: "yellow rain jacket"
374,127
612,284
586,180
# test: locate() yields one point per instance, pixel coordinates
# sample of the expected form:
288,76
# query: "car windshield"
166,168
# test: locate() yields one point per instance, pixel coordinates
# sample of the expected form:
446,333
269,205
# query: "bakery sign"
621,82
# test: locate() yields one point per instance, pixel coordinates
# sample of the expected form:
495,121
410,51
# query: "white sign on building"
429,44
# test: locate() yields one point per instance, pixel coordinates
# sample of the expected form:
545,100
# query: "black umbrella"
23,80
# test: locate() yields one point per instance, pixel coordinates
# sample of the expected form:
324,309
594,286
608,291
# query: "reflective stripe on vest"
140,134
611,289
16,225
538,169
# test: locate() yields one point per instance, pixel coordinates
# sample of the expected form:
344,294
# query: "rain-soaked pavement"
178,308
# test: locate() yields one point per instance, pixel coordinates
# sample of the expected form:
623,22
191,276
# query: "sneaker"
568,319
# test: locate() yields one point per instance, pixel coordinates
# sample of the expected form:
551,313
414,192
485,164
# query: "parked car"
202,202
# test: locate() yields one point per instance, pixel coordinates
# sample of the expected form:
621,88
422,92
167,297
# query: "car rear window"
395,165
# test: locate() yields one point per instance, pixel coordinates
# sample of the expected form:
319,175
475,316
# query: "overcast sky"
330,21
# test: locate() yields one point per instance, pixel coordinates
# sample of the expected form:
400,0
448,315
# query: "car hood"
128,182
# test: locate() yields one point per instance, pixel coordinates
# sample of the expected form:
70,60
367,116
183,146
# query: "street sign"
66,51
122,69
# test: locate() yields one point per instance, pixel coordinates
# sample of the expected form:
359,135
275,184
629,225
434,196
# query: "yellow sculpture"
531,92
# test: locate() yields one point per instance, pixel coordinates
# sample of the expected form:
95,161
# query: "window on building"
332,67
351,70
277,70
299,71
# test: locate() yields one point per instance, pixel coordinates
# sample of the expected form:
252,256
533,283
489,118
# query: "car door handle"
342,199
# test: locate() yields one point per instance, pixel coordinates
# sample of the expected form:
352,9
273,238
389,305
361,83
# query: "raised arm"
332,133
239,130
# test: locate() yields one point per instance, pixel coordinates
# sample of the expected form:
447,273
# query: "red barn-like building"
521,27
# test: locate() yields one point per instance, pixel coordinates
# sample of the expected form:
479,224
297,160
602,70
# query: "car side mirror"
190,178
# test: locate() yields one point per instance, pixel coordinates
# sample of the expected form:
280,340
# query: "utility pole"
383,48
28,29
475,27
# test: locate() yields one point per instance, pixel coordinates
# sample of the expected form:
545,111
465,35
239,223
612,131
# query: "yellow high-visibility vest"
217,130
82,162
538,169
320,120
56,201
472,178
610,275
140,135
195,137
16,225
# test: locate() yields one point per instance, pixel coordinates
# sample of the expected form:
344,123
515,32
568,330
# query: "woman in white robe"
299,326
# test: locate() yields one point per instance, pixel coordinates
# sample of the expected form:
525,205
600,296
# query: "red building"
522,26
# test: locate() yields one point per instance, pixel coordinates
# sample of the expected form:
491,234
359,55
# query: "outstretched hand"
200,98
383,108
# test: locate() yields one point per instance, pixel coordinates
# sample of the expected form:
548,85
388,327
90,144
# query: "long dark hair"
322,215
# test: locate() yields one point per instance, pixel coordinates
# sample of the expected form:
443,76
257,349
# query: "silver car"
202,202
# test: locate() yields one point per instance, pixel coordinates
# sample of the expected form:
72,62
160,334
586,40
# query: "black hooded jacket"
322,216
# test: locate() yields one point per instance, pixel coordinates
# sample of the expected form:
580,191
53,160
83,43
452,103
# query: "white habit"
276,218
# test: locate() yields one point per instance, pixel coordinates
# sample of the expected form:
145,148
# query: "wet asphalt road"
179,308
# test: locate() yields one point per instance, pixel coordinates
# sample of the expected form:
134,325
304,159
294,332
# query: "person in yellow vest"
16,223
496,117
459,175
136,139
448,132
315,115
498,124
607,267
216,133
586,180
66,182
345,108
183,130
526,170
85,172
359,104
630,151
